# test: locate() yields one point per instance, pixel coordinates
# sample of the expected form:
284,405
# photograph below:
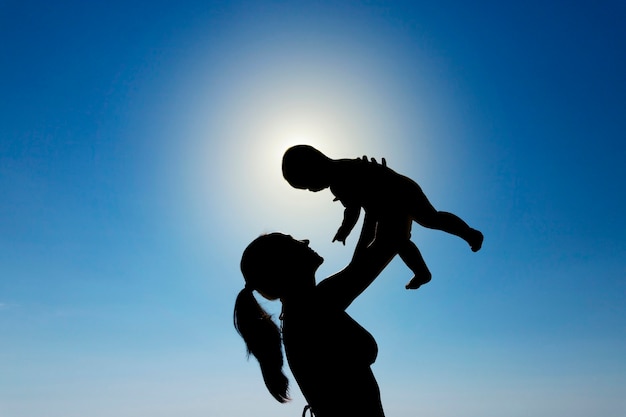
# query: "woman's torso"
329,353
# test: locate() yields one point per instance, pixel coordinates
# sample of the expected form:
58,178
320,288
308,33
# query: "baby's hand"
340,238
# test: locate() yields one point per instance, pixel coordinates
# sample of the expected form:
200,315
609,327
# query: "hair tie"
248,287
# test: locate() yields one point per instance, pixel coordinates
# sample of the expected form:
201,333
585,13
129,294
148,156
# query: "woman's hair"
263,340
256,327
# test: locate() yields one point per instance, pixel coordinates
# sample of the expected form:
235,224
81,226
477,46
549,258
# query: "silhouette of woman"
328,352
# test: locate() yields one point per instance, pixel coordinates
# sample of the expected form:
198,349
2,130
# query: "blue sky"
140,152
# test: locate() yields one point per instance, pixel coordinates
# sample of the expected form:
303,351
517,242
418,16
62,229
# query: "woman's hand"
373,161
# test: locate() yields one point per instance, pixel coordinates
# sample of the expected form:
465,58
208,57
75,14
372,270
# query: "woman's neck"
298,300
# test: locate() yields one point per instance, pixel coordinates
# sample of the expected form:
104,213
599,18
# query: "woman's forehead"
282,236
285,240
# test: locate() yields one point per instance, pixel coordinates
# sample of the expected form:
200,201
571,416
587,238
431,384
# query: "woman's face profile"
297,254
277,264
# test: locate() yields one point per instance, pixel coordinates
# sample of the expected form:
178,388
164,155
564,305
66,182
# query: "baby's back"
377,188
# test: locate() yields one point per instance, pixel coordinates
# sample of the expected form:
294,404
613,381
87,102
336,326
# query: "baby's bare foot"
417,282
476,240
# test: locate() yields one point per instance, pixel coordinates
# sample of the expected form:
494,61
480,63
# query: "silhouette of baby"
391,203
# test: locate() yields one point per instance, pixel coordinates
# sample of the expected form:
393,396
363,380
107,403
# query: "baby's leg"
398,231
412,257
426,215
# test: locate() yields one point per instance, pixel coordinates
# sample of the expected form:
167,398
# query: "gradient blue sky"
140,146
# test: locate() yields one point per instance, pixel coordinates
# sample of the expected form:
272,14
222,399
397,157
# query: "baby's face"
309,182
316,188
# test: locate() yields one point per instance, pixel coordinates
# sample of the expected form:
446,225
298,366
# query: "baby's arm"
350,217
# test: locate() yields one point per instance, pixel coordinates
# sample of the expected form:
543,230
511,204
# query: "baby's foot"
418,281
476,240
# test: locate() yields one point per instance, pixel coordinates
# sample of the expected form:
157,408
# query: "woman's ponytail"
263,340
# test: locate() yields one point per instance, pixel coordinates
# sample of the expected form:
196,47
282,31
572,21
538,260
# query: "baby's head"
305,167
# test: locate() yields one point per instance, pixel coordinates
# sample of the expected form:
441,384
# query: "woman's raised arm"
367,263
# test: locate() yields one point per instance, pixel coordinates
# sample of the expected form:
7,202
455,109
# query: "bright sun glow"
340,104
